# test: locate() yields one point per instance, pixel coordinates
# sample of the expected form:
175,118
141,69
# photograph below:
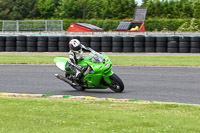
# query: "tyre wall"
140,43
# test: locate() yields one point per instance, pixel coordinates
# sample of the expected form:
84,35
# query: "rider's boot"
77,78
67,74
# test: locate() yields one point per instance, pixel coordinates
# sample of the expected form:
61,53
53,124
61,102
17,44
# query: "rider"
75,55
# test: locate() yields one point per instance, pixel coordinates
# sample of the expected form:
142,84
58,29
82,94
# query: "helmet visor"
76,48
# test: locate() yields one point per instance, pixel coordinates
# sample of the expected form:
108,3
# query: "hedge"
151,24
155,24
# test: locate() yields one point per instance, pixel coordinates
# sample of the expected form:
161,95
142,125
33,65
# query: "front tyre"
116,83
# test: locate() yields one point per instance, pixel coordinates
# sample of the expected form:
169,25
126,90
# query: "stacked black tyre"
150,44
21,43
117,44
139,44
10,43
42,43
184,44
63,44
128,44
161,44
95,43
52,44
173,45
195,45
31,43
106,44
85,40
2,43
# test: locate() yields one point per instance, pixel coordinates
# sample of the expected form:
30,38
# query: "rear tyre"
78,88
116,83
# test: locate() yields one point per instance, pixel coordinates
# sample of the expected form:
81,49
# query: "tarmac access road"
165,84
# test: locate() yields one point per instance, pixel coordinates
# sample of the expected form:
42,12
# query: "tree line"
173,8
95,9
71,9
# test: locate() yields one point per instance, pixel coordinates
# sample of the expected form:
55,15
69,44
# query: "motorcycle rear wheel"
117,84
78,88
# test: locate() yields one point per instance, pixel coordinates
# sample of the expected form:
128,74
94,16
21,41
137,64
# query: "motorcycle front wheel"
117,84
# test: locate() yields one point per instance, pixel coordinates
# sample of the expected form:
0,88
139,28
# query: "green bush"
191,26
160,24
0,25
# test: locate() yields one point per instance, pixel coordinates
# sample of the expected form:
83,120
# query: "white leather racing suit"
74,57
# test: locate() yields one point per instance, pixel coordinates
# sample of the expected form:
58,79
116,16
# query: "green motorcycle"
97,73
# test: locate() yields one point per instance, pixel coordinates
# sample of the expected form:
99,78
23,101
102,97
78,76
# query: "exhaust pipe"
64,79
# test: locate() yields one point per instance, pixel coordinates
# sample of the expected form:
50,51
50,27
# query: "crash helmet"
76,47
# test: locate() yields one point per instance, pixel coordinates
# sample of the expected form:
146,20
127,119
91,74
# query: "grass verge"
60,115
192,61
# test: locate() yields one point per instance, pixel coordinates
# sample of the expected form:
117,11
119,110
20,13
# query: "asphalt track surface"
165,84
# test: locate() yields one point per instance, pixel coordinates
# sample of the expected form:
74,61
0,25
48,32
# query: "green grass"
157,60
116,60
58,115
